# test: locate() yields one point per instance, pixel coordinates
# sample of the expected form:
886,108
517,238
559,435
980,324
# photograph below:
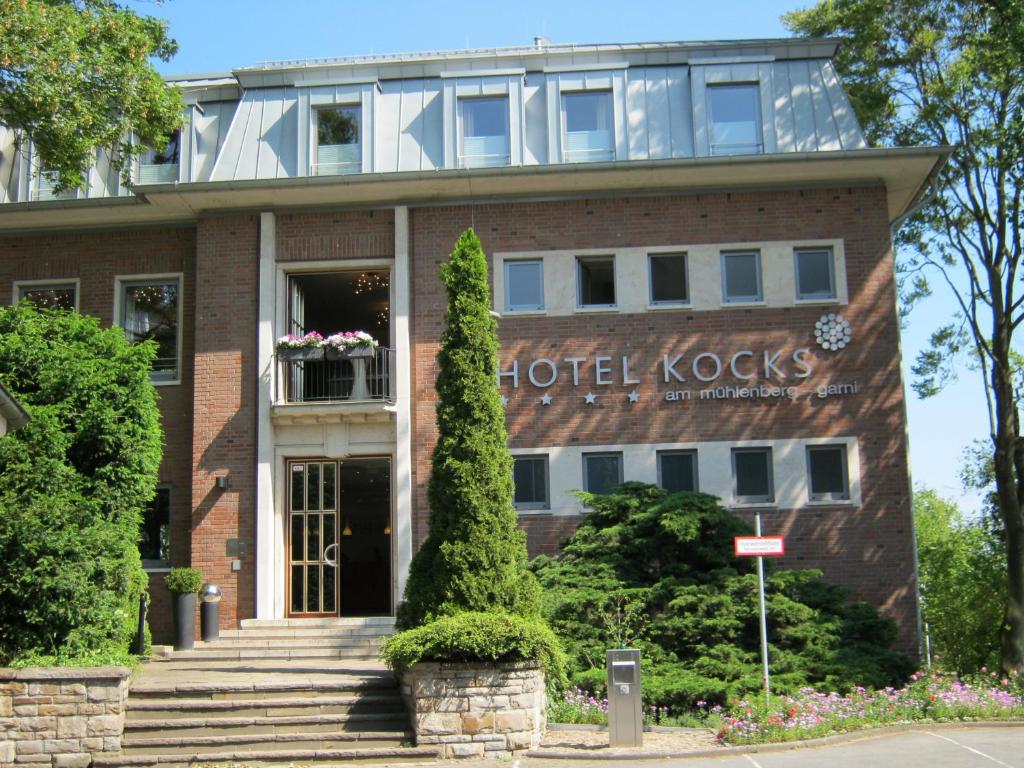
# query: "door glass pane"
329,485
330,589
297,537
297,587
313,486
313,588
298,485
313,538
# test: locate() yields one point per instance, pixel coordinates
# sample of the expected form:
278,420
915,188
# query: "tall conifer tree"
474,558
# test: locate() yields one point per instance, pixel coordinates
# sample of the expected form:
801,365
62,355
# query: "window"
752,474
733,119
741,276
161,166
826,468
50,295
530,475
155,533
524,285
668,278
601,472
815,273
484,132
150,309
337,141
677,470
595,281
589,136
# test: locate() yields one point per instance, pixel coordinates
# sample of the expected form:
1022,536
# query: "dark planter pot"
350,354
300,354
184,622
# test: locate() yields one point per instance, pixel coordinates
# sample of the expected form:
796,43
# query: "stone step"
353,621
165,708
272,759
180,727
371,630
264,690
337,641
265,742
281,652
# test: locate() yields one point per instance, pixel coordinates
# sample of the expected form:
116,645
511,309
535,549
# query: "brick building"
691,259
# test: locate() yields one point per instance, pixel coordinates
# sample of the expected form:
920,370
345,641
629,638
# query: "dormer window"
485,127
734,119
337,141
161,166
589,134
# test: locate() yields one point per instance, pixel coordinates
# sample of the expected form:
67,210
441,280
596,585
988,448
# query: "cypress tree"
474,558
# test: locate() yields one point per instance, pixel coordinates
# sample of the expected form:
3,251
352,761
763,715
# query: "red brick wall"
224,435
336,235
869,548
95,258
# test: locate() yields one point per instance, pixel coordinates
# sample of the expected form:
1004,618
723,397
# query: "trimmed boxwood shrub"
480,636
184,581
73,484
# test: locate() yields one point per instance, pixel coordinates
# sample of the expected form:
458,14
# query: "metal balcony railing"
352,379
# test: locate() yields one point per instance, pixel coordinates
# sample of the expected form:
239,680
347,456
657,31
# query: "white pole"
764,619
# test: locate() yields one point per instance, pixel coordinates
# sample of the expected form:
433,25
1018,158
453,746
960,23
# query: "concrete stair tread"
386,755
370,630
328,641
262,738
186,705
241,722
348,621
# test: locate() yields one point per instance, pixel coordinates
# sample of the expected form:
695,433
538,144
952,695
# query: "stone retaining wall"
60,716
477,710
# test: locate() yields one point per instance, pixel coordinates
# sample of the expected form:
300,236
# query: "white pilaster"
401,282
267,607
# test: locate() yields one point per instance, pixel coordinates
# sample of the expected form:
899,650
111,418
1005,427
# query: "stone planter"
61,717
300,354
184,622
352,353
477,709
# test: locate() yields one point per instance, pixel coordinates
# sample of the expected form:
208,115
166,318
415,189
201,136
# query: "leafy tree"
962,583
474,558
75,76
947,72
73,483
657,571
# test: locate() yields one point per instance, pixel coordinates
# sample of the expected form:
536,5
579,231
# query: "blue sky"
217,35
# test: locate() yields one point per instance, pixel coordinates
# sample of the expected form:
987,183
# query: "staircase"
275,692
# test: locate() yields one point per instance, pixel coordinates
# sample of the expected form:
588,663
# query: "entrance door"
339,530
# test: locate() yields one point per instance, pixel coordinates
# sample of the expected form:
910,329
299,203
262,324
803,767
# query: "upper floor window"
741,276
151,310
734,119
524,285
595,281
589,134
827,475
337,140
484,132
49,295
815,273
45,181
668,278
530,476
161,166
753,481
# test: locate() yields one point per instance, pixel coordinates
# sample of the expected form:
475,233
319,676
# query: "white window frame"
123,281
844,463
692,452
580,306
564,128
161,566
508,264
71,282
602,455
314,139
759,298
651,301
461,103
833,291
755,86
534,506
768,500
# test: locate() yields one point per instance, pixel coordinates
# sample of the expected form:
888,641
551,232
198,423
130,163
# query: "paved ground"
939,748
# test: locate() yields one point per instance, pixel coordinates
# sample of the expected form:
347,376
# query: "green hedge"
480,636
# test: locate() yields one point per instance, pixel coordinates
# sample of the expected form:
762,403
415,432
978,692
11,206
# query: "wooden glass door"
313,548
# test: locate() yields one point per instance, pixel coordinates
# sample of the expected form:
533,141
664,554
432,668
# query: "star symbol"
590,398
634,396
546,400
504,400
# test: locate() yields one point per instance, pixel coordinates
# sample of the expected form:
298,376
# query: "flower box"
350,353
300,354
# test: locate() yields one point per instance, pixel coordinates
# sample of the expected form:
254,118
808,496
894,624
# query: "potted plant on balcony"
296,348
184,583
346,345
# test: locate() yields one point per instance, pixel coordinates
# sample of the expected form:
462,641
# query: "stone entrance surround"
61,717
476,709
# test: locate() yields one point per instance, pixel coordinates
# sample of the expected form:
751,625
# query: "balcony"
359,378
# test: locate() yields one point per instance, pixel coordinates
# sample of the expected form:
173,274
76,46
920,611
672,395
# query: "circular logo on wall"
832,331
